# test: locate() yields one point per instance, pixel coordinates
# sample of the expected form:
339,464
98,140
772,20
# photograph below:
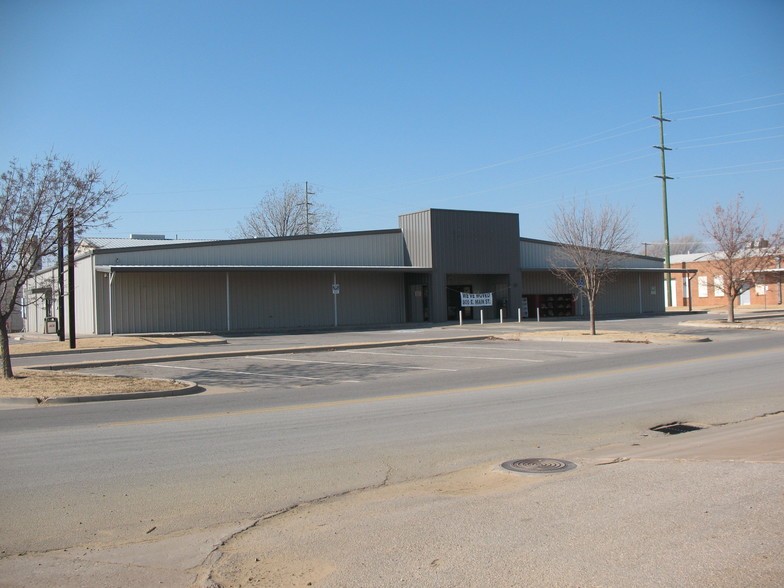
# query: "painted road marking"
237,372
351,401
402,367
442,356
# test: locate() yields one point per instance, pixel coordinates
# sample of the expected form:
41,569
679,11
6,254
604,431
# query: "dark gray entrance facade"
467,251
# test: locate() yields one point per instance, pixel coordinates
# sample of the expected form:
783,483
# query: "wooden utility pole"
60,281
664,177
71,282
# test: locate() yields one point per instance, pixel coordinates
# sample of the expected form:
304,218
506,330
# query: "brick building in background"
705,287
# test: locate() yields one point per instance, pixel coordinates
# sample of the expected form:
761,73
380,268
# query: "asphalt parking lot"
446,362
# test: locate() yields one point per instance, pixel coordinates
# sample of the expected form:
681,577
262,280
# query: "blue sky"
385,108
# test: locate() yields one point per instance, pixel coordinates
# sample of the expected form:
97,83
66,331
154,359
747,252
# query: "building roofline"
111,268
624,253
191,244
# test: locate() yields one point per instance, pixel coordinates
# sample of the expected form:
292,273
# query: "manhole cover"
675,428
538,465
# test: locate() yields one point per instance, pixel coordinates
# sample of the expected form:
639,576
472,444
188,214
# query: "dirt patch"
24,348
52,384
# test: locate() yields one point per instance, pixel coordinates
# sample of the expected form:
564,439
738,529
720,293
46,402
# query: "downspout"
111,302
639,290
95,294
228,303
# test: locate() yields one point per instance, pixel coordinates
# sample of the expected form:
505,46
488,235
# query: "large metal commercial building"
414,273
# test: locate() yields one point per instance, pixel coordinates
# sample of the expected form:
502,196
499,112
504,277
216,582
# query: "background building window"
702,286
718,285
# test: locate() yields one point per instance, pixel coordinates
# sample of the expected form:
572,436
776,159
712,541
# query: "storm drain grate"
538,465
675,428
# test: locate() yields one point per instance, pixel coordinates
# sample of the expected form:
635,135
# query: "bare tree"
285,212
34,198
590,245
744,247
687,243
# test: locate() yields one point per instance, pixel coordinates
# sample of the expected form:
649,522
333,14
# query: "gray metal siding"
280,299
85,296
417,238
272,300
169,302
628,293
190,301
102,303
383,248
536,255
475,242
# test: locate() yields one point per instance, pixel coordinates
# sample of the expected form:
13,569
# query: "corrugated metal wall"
268,300
85,296
417,238
628,293
191,301
538,254
157,302
35,306
475,242
472,244
382,248
84,299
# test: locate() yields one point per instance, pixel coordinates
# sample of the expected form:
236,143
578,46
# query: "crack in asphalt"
204,577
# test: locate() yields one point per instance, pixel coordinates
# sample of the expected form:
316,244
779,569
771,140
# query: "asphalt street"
274,431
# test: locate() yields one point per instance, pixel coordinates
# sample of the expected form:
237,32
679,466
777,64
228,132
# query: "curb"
190,388
241,353
602,340
724,325
121,348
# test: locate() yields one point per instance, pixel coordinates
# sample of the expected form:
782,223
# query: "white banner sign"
469,299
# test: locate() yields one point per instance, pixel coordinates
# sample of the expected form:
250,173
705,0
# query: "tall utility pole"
664,177
60,281
71,282
307,208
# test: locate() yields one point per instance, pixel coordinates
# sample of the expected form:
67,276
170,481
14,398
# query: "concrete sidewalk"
702,508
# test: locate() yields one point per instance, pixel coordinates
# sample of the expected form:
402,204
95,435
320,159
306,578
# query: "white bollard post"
537,315
481,316
519,315
460,313
501,314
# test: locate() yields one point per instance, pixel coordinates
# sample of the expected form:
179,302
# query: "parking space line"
538,349
402,367
442,356
236,372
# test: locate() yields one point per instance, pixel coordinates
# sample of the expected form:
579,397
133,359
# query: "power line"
734,166
732,111
727,103
732,142
729,135
569,145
